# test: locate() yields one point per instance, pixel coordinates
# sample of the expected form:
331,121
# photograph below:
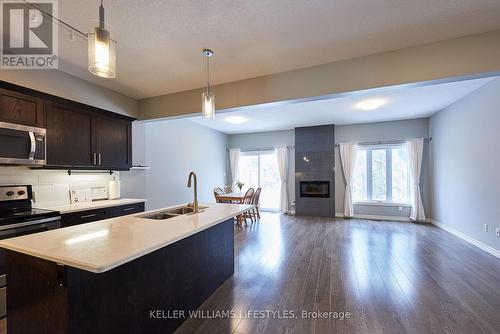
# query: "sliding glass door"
260,169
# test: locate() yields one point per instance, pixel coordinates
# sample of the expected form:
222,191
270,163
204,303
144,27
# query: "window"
260,169
381,175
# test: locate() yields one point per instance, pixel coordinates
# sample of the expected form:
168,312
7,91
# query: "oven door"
16,230
22,145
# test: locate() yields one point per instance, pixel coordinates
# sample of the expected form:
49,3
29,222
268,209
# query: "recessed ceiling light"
370,104
236,119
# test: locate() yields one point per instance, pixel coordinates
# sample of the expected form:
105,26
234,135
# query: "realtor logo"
29,36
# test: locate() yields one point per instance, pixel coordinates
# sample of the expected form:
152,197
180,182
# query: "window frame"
369,182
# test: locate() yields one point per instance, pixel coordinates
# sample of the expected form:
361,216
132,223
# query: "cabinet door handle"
99,155
88,216
128,209
95,159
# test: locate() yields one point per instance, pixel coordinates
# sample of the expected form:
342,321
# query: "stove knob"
21,192
10,193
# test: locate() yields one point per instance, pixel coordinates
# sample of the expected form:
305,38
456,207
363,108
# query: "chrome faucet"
196,208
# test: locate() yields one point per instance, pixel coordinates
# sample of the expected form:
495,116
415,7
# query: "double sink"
171,213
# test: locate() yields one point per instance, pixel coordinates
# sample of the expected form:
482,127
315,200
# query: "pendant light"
101,48
208,97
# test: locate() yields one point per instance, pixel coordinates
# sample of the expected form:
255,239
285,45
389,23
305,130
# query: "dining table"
234,197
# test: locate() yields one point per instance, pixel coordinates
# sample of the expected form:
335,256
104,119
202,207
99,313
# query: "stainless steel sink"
183,210
171,213
159,216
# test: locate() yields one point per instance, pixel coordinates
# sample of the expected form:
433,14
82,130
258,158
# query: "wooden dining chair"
248,199
218,192
228,189
256,202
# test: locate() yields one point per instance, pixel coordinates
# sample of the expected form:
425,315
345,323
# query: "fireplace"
315,189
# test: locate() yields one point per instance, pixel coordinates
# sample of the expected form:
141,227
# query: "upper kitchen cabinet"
78,136
85,137
112,142
19,108
69,136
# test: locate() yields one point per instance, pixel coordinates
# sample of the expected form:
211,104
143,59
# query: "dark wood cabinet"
87,216
79,136
82,217
69,136
123,210
112,142
21,108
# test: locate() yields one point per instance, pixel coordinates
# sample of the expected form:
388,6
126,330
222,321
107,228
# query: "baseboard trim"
375,217
468,239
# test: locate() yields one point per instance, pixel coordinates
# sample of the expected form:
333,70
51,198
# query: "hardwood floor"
392,277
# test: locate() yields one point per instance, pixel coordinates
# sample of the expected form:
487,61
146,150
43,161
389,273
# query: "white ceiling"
159,41
402,103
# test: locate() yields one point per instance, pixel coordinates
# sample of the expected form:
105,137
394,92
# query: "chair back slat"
249,196
256,197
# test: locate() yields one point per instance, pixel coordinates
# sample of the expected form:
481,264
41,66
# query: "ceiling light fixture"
370,104
101,48
236,119
208,97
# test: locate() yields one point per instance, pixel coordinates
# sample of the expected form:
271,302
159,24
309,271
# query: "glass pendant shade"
102,51
208,104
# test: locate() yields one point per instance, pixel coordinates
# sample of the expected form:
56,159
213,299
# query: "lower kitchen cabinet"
87,216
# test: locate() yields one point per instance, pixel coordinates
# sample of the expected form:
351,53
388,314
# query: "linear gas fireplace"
315,171
315,189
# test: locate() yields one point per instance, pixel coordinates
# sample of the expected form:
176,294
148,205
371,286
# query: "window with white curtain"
381,174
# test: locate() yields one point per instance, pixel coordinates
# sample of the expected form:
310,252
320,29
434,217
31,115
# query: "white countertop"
69,208
106,244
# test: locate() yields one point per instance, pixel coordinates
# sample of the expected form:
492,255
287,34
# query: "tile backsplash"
52,187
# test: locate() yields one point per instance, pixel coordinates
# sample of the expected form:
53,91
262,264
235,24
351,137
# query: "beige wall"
67,86
449,59
476,55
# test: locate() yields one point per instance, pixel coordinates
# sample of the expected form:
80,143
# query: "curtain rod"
261,148
386,142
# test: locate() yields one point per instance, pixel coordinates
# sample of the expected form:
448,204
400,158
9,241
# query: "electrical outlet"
498,232
485,227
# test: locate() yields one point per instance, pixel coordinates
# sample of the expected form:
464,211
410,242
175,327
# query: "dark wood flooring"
392,277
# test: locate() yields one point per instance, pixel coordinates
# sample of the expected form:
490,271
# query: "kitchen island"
118,275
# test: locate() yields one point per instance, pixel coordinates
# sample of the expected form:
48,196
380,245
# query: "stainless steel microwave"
22,145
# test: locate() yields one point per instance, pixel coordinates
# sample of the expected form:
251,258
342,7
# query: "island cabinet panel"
69,136
88,216
135,297
19,108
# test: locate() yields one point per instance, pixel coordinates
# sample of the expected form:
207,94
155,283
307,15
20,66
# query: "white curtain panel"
415,148
348,158
234,161
282,157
